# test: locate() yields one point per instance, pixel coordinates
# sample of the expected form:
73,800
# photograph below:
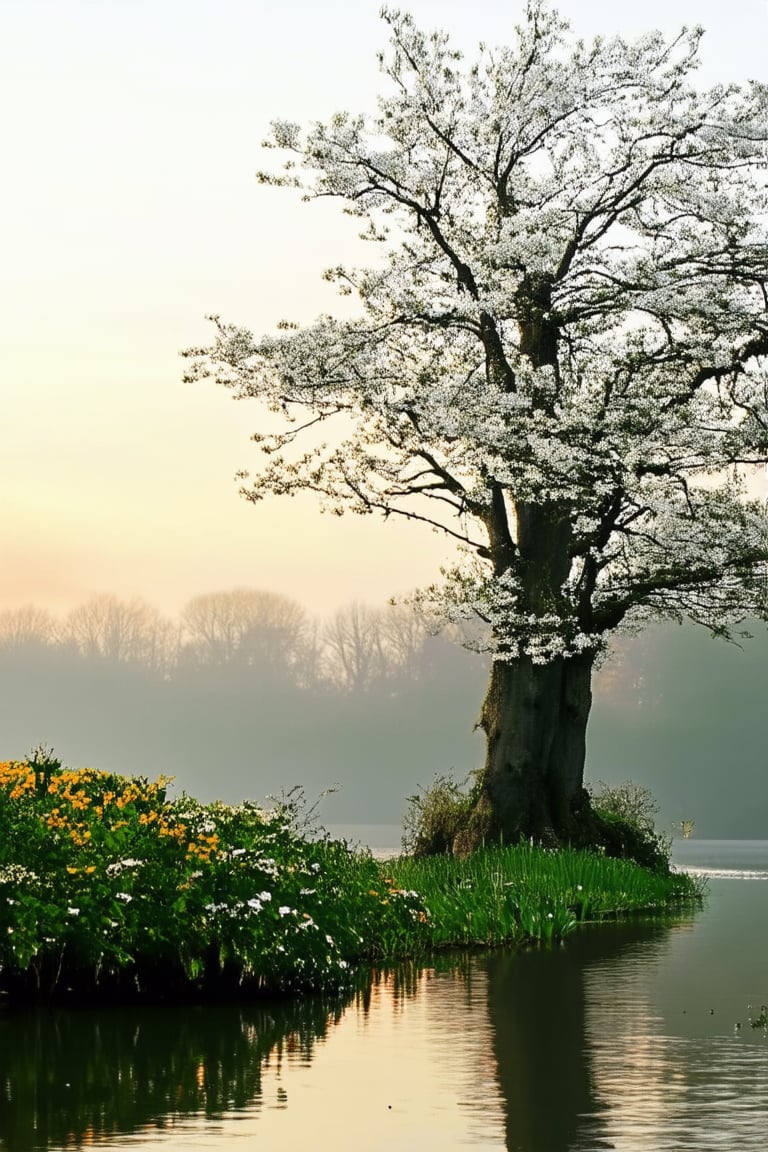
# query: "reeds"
528,894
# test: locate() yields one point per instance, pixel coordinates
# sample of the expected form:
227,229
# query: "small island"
111,891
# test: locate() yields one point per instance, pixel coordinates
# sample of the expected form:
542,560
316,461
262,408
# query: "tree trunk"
535,719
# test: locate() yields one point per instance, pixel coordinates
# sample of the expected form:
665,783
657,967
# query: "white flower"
284,910
73,911
119,865
13,873
125,897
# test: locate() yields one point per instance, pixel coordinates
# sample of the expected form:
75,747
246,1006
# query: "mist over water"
245,696
684,714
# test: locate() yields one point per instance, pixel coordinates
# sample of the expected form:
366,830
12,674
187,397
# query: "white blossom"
567,322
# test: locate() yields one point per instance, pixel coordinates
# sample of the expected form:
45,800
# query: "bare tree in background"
126,631
246,626
404,632
354,648
26,626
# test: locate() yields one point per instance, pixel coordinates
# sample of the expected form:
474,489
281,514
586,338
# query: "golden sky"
129,210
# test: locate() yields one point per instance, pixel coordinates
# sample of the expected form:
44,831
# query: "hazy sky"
129,210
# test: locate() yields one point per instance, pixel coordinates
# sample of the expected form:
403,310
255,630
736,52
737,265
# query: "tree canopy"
559,356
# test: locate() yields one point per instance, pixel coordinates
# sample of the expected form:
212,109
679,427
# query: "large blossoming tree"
558,359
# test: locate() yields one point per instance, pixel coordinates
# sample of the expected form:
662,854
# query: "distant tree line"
243,630
255,632
244,694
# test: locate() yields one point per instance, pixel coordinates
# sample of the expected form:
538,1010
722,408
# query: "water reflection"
675,1062
636,1037
625,1039
69,1079
538,1007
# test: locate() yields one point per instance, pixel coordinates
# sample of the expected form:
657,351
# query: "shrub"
623,825
106,884
436,816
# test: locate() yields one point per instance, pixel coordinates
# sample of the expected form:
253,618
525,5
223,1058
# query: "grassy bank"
528,894
108,888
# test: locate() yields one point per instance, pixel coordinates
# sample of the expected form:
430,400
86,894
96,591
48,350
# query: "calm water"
625,1038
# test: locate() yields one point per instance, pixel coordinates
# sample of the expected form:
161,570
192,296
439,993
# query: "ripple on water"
677,1093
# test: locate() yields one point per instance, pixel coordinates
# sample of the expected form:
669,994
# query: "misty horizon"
369,700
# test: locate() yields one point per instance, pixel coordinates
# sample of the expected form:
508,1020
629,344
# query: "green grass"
108,888
527,894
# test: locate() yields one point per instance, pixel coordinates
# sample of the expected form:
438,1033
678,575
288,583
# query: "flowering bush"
106,884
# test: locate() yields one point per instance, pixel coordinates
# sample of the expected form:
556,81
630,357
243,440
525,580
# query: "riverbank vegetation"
109,889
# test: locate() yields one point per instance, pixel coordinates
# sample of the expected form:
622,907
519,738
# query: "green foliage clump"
107,885
434,817
526,894
445,818
622,824
760,1021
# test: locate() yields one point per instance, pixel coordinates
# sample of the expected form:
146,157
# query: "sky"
129,210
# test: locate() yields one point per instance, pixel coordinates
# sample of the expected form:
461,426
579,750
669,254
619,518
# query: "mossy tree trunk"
535,719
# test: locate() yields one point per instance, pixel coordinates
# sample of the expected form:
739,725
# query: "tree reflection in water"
484,1048
537,1007
68,1079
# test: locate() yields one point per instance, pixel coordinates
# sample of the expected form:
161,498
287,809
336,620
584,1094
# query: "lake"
630,1036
